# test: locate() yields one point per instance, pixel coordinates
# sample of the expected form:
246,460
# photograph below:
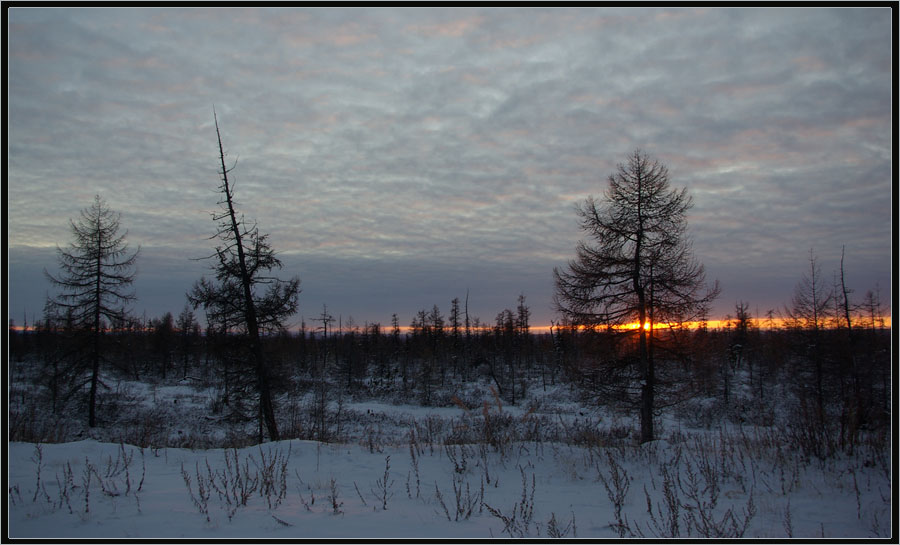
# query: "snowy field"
416,472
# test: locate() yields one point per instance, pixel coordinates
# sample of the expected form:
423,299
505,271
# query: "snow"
725,475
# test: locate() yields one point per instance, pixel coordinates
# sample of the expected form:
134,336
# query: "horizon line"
766,324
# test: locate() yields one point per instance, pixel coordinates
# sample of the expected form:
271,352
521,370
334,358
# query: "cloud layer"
444,149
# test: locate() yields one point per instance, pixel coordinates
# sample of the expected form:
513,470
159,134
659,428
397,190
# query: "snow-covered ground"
404,482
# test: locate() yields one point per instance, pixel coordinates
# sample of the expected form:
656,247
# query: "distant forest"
840,377
622,340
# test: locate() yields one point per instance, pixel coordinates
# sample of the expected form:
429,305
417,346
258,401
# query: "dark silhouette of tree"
320,368
349,355
513,347
737,348
637,265
437,338
456,336
875,352
525,355
503,372
95,273
244,261
859,397
188,338
57,348
164,342
16,341
326,319
808,315
872,309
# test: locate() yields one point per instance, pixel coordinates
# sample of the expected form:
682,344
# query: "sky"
401,157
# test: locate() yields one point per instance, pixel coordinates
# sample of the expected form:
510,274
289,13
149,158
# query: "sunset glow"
555,242
439,153
764,324
775,323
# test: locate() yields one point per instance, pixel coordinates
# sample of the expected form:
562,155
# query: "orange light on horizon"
636,325
774,323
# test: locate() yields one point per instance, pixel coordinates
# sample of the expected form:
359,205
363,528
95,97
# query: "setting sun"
636,325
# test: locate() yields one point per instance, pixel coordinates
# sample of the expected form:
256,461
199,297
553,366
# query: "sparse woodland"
747,407
428,416
821,384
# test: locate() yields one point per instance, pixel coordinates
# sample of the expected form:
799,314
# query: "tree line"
635,266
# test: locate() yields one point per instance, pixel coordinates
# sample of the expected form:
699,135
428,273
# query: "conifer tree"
637,265
243,296
96,272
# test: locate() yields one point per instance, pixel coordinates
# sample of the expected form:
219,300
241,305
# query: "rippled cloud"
449,146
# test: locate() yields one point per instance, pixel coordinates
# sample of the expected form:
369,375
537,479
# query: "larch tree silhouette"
637,266
96,272
244,297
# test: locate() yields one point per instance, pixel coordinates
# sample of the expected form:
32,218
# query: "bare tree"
876,351
808,315
809,304
873,310
455,337
637,266
95,274
243,263
188,335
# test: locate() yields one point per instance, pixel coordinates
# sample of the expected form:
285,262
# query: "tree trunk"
647,401
646,365
95,356
267,412
95,377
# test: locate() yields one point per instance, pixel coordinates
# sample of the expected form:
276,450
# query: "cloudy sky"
402,157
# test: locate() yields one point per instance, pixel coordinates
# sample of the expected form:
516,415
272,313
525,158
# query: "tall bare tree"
637,265
244,296
808,314
95,273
